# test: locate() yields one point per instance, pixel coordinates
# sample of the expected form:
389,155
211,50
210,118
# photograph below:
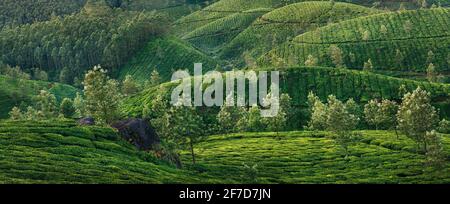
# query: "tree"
353,108
435,155
47,104
388,115
15,114
416,116
155,79
336,56
34,115
340,122
186,126
129,86
311,61
39,74
79,105
229,115
371,113
254,122
368,66
102,95
67,108
318,113
444,126
431,73
278,122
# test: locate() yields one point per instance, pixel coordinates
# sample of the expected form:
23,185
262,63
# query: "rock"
138,132
86,121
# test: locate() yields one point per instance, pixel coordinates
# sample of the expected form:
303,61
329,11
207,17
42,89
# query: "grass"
62,152
287,22
412,33
14,91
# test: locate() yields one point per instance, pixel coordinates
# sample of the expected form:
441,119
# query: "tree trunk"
396,133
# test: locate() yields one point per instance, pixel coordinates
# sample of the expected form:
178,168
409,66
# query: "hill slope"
166,55
221,9
299,81
14,91
61,152
307,157
285,23
402,46
213,35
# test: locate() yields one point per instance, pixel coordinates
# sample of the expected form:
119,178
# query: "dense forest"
96,35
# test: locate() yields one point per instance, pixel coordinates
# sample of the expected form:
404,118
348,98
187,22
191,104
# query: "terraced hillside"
213,35
221,9
343,83
61,152
307,157
166,55
14,91
397,41
287,22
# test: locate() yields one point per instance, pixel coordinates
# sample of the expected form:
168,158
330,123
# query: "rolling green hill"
285,23
343,83
166,55
307,157
402,46
221,9
212,36
14,91
61,152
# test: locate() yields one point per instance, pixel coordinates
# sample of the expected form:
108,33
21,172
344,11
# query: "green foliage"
102,95
66,47
129,86
46,103
416,116
410,39
60,152
21,12
79,105
229,115
186,126
67,108
283,24
213,36
15,114
341,122
435,154
299,81
444,126
165,55
313,157
382,114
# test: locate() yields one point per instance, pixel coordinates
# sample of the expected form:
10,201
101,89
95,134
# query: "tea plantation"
62,152
392,41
